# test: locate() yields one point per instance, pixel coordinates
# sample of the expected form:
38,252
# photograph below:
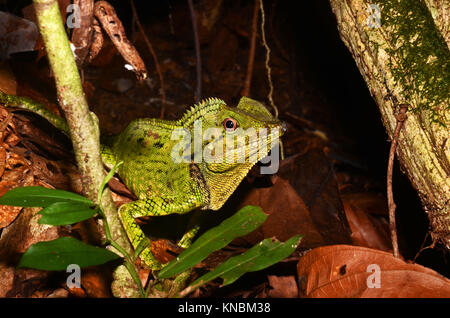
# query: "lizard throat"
220,185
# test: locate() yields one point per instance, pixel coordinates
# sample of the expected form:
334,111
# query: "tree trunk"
402,51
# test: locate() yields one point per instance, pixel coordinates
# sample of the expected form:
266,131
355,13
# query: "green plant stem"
109,237
106,180
135,276
84,131
130,260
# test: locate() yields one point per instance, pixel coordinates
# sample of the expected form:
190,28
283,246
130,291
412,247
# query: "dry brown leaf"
15,160
49,172
144,275
22,282
303,199
15,240
94,282
341,271
282,287
164,250
313,178
18,34
2,160
288,215
112,25
6,279
12,140
3,125
8,214
8,83
59,293
23,232
371,203
367,230
77,292
18,177
36,135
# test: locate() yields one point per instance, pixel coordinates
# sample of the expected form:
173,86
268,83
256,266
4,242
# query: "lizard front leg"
157,206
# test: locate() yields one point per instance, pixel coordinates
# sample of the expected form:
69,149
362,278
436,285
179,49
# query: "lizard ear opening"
229,124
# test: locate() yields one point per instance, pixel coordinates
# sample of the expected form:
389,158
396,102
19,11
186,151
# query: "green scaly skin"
163,186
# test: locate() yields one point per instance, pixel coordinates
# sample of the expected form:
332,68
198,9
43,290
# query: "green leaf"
56,255
242,222
260,256
40,197
62,213
106,180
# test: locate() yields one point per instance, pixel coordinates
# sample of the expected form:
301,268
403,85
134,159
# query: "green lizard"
164,184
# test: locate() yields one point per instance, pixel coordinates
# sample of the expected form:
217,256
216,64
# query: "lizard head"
233,140
243,133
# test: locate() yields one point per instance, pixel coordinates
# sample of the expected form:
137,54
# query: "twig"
155,58
422,248
269,70
251,53
198,66
401,117
106,14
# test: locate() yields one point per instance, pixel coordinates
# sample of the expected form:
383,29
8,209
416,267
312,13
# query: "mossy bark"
405,59
84,131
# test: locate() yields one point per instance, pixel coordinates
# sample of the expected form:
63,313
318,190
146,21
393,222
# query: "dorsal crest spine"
197,111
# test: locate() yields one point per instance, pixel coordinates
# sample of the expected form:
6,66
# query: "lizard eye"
229,124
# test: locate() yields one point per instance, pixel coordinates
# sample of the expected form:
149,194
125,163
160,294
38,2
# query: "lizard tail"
28,104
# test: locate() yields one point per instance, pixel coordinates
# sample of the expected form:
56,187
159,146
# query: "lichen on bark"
405,59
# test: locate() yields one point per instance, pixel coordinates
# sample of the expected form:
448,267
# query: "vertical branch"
401,117
155,57
83,125
84,130
198,90
251,53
